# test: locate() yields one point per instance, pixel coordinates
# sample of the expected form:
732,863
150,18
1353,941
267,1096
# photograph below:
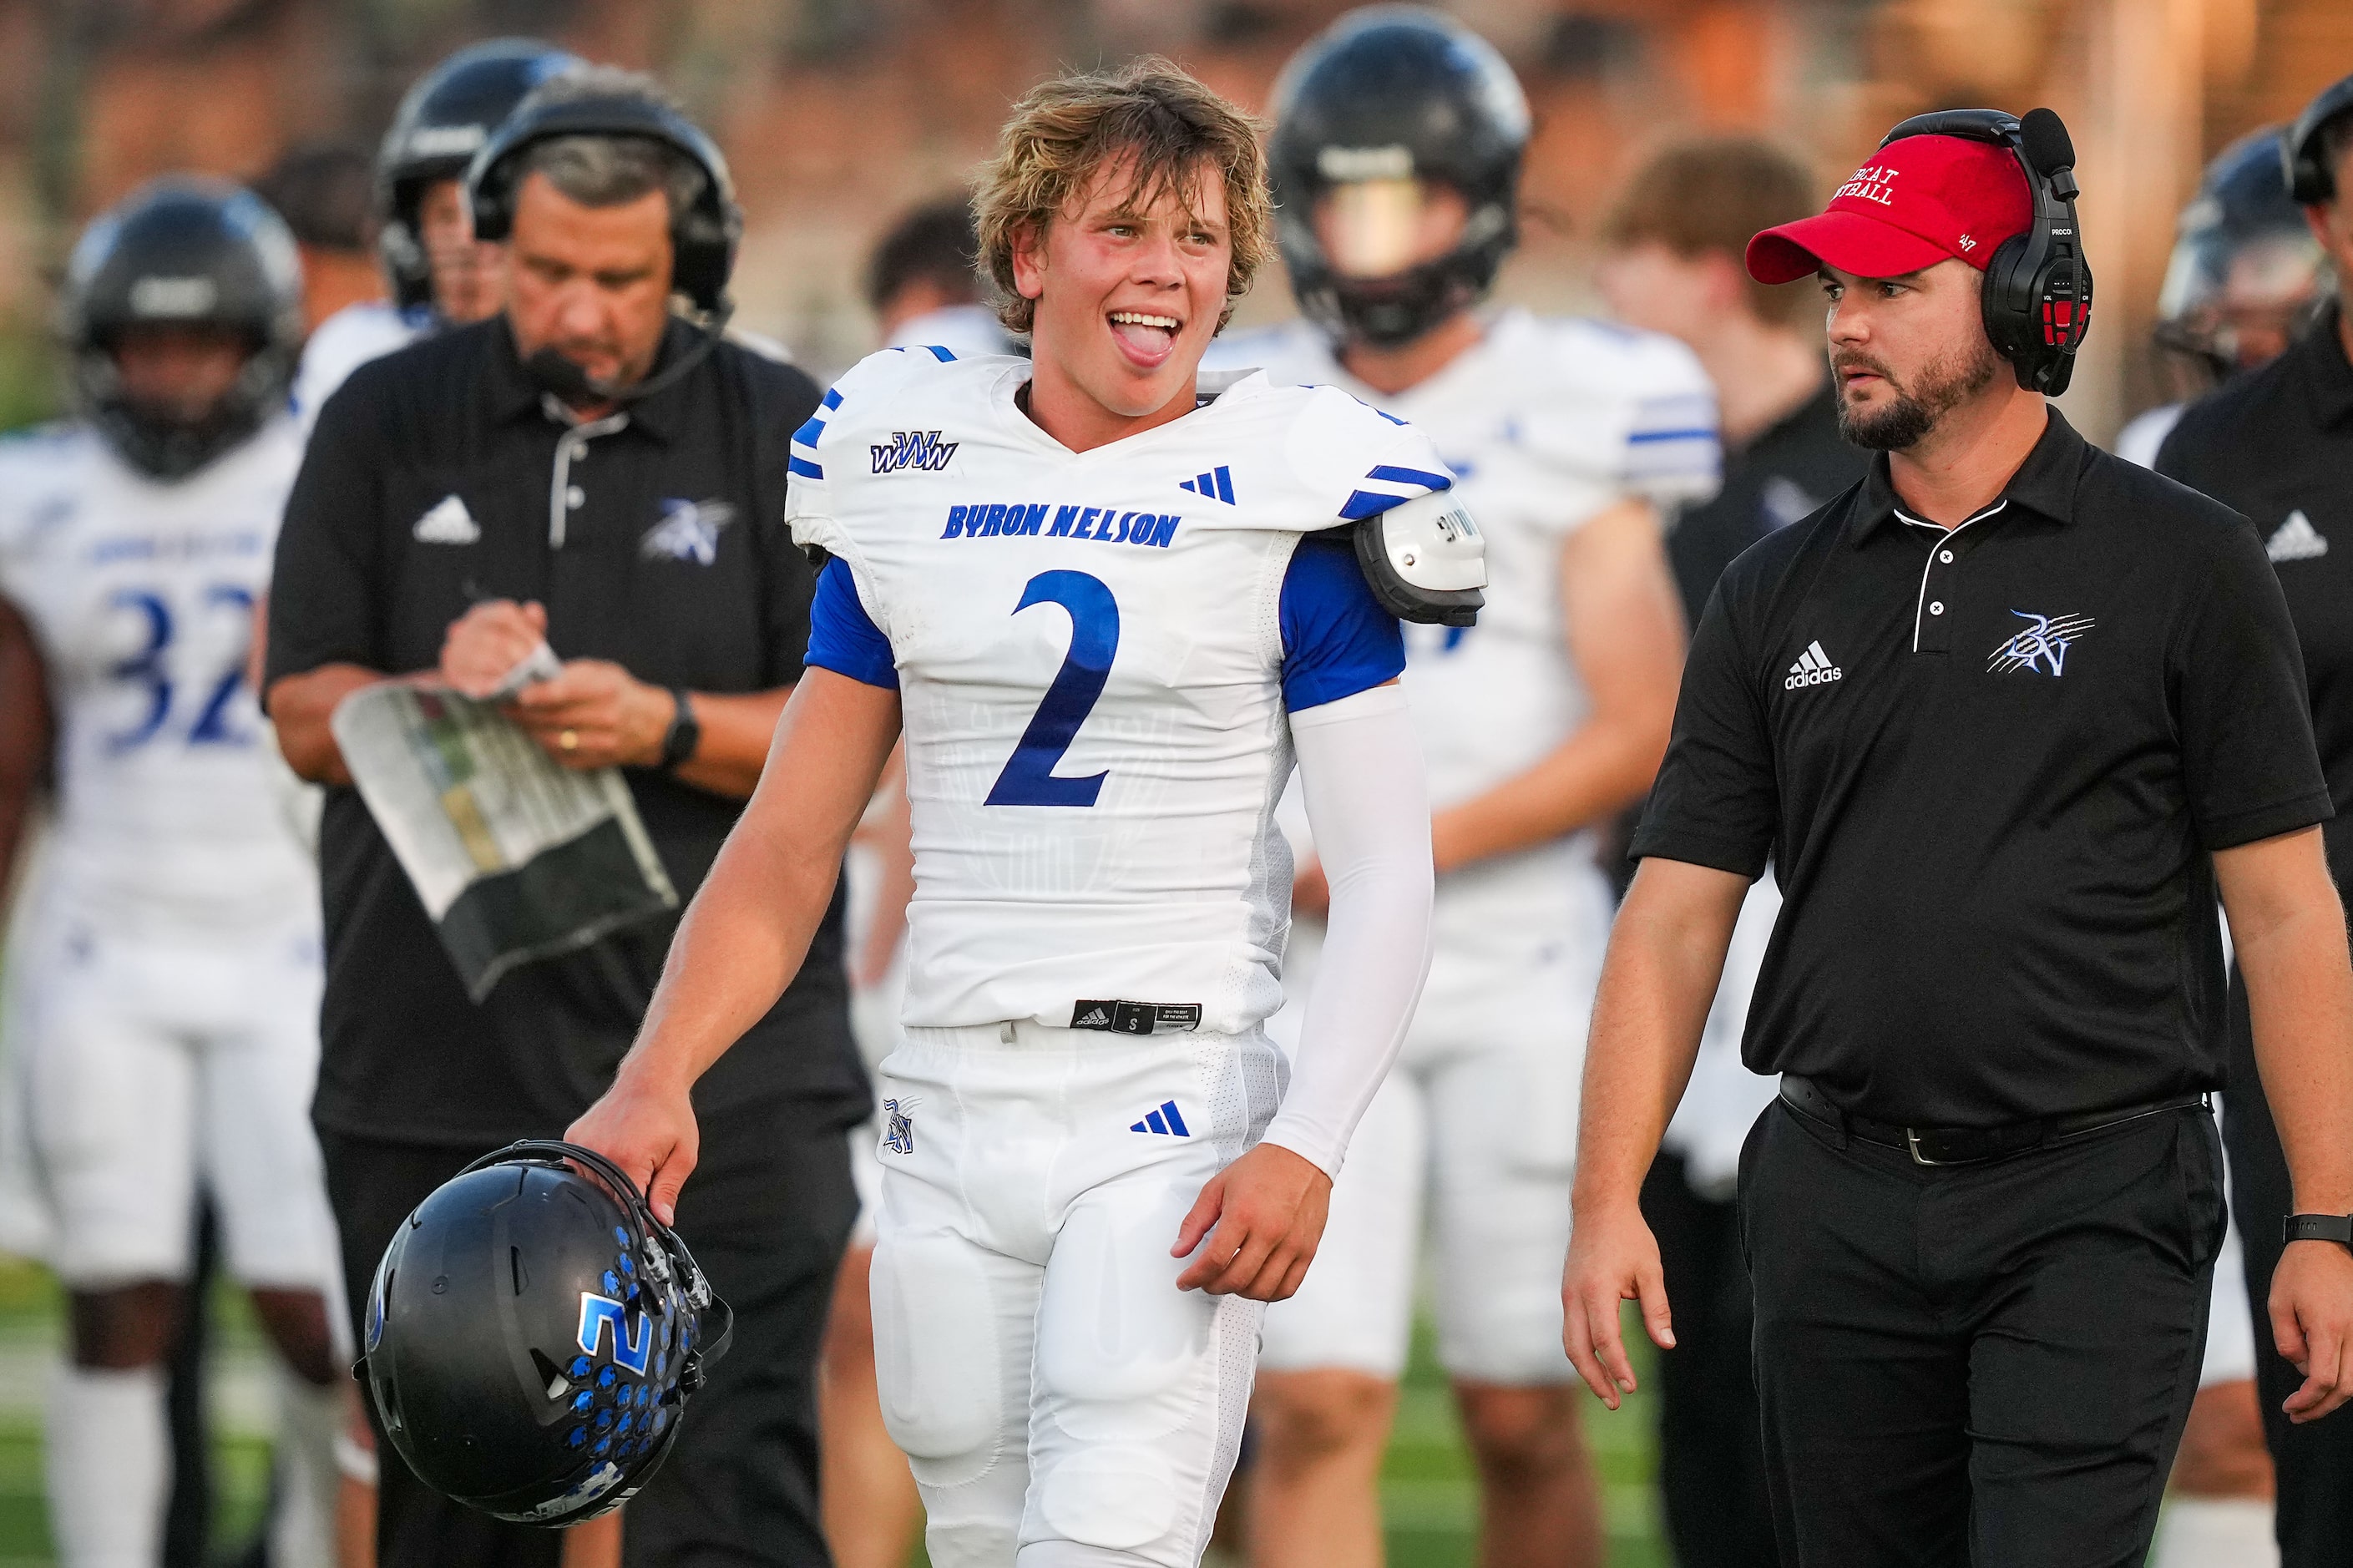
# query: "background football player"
438,273
164,1032
1093,1173
1396,155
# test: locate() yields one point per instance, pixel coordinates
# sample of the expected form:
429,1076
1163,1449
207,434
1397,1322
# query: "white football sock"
109,1466
2216,1533
309,1419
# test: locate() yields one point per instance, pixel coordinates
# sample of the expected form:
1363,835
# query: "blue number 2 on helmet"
631,1352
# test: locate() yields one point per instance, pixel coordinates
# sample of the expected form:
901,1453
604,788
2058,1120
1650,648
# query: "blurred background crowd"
836,114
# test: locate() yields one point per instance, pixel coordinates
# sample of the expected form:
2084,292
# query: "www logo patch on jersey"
913,449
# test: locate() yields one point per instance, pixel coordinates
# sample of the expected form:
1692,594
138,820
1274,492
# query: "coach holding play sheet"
2005,716
587,468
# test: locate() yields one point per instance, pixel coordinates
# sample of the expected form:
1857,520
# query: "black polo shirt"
1787,472
439,475
2277,445
1990,766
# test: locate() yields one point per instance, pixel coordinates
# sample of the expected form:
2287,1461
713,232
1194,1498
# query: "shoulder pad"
1425,559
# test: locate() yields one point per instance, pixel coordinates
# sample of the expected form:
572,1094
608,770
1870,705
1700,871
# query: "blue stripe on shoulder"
1368,503
939,354
1700,433
804,469
807,433
1421,476
832,398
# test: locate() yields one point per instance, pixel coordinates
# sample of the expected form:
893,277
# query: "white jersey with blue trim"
1545,423
141,596
1089,652
346,341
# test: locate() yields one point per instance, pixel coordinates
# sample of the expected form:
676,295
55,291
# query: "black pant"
2314,1462
767,1213
1984,1364
1711,1449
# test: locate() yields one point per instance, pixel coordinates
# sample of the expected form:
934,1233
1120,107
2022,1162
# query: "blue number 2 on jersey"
1029,778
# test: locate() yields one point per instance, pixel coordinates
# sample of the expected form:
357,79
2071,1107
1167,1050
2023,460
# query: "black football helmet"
183,251
533,1334
1395,92
443,120
2246,273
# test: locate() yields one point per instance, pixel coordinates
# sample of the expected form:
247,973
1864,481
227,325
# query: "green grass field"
1427,1494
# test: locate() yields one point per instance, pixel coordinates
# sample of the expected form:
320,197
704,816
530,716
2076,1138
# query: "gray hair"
607,170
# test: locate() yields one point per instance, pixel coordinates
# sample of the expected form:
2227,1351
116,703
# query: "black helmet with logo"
444,120
533,1334
182,251
1397,93
2246,272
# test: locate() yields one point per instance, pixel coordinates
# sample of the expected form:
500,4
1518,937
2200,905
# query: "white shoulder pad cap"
1425,559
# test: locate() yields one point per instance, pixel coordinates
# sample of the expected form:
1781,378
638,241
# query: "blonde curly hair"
1172,130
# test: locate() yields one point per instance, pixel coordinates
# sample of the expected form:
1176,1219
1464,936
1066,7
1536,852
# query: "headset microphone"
2042,137
553,372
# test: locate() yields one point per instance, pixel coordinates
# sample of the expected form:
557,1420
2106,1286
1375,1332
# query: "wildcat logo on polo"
689,531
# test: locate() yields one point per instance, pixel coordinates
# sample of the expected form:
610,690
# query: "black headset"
2037,300
2310,180
704,237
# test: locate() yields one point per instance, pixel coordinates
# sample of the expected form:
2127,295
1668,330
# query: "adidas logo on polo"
447,521
1165,1122
1813,669
2297,540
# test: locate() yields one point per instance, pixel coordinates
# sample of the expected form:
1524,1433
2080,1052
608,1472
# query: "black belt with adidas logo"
1137,1017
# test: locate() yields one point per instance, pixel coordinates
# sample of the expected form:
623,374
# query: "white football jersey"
1089,651
1544,423
346,341
142,596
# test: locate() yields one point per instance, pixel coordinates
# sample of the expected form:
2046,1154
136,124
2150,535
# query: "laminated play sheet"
513,856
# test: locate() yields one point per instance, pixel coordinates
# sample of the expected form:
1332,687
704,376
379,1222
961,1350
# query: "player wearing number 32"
1108,599
164,1027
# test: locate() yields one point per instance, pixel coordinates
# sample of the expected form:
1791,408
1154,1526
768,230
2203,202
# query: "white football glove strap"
1360,770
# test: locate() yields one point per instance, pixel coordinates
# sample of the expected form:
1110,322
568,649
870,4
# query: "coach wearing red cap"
2006,717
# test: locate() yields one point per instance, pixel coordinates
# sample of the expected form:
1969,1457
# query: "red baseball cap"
1916,203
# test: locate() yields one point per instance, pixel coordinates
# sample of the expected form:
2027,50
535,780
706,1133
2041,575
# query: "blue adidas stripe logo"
1165,1122
1218,484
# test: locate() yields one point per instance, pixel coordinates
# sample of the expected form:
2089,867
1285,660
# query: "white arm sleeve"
1360,770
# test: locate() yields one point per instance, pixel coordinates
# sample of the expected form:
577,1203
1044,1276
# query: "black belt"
1968,1145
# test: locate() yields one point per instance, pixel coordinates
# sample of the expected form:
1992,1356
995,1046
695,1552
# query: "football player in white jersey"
440,274
1108,599
1395,157
164,1030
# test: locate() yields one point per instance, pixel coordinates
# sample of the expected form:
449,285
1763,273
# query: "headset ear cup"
2004,306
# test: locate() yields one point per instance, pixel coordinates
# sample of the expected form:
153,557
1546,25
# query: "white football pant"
1062,1403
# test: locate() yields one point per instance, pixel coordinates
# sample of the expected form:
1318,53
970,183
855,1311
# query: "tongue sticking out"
1144,340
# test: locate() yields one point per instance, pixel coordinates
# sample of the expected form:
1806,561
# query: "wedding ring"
569,740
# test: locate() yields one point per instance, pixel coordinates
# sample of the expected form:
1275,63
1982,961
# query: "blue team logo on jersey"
2041,648
633,1350
899,1125
913,449
689,531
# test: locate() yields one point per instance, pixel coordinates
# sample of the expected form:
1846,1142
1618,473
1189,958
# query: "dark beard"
1944,385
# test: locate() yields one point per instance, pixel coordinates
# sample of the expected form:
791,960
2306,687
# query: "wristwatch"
2337,1227
685,733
